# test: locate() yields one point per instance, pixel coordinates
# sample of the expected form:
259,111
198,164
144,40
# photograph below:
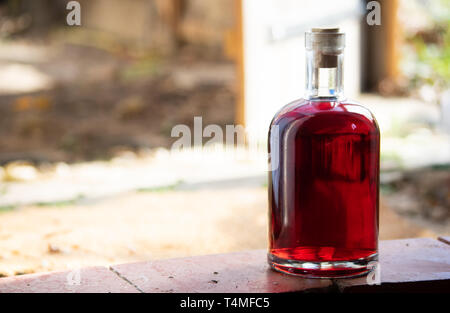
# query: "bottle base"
325,270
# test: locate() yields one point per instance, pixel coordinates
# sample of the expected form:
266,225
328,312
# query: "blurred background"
87,176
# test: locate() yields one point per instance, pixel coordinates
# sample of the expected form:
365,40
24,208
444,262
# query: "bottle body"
323,188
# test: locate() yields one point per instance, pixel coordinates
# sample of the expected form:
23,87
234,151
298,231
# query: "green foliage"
435,56
159,189
7,208
140,69
61,203
431,47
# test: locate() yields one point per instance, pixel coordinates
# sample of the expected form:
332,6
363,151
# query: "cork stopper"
327,44
325,30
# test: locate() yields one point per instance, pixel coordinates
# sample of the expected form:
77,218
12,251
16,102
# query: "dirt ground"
99,102
422,196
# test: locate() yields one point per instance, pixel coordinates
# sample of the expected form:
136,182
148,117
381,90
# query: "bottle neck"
324,75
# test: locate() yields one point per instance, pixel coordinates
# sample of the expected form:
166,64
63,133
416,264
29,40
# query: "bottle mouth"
325,39
327,44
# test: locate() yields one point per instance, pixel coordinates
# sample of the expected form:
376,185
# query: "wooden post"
381,49
392,38
234,48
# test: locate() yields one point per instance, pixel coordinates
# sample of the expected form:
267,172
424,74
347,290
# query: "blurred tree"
433,56
427,48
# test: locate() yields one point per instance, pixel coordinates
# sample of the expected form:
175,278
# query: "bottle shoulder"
327,116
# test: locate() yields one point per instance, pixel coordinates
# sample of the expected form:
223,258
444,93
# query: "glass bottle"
324,173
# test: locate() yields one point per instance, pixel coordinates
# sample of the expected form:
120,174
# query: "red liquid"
323,196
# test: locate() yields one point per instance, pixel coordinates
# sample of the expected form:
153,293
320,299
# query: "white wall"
275,68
